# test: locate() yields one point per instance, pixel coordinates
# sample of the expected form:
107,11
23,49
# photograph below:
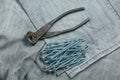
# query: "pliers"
43,33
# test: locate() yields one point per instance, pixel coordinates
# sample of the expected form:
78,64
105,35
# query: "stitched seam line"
112,7
26,14
95,58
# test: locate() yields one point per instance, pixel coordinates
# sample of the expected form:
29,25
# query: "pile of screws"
63,55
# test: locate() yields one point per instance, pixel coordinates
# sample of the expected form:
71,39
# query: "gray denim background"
16,54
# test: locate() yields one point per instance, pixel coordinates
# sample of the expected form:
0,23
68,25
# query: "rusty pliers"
43,33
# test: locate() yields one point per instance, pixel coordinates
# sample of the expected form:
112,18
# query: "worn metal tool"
43,33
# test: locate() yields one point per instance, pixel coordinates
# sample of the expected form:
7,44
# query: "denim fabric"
14,48
100,33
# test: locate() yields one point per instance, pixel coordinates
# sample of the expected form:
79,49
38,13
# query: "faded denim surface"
100,33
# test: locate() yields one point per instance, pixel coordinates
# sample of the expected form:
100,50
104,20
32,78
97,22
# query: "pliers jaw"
32,37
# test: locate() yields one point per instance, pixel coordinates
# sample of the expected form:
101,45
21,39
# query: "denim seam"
112,7
26,14
71,73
